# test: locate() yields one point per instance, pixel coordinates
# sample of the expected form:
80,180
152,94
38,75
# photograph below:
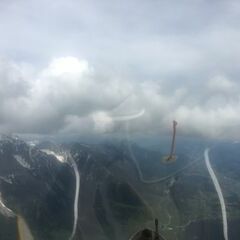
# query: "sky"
92,67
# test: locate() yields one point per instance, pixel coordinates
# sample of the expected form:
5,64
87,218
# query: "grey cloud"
173,59
13,82
70,100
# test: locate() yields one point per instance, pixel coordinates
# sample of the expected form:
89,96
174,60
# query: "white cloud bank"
68,96
171,59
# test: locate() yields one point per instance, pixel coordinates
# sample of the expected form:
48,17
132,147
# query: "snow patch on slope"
59,157
22,161
5,211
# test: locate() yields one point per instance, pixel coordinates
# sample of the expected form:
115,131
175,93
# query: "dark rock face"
211,229
8,228
39,188
118,205
36,187
205,230
125,203
102,215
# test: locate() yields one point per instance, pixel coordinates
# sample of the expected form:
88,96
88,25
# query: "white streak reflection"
129,117
219,193
77,177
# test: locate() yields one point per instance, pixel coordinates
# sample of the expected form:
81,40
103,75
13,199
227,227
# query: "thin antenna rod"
172,152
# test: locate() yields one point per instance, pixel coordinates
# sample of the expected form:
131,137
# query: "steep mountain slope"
122,188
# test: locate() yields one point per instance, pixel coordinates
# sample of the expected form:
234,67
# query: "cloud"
67,65
57,95
220,84
112,60
69,96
